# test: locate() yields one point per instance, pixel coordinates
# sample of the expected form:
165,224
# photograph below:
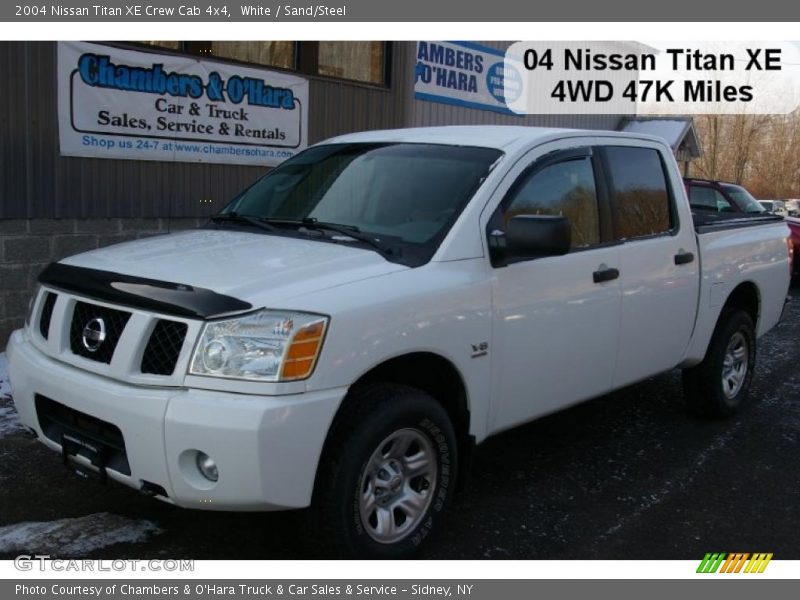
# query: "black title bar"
407,10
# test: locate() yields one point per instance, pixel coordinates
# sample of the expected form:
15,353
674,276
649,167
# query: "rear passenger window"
639,192
564,189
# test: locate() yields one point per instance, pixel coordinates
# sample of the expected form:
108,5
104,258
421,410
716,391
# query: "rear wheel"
719,385
387,473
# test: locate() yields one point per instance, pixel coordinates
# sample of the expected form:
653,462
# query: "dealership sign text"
117,103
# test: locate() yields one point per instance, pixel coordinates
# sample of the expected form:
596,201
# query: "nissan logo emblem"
94,334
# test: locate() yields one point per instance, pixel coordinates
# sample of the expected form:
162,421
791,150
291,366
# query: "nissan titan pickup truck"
349,327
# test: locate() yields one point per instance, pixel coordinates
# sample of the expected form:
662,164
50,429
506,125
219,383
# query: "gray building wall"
53,206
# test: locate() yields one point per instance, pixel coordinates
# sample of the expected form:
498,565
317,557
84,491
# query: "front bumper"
266,447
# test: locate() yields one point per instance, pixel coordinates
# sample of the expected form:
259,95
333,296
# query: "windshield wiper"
350,231
233,217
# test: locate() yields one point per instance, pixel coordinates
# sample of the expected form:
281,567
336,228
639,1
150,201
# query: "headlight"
266,346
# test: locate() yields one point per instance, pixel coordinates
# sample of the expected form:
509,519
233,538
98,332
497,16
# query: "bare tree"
761,152
709,131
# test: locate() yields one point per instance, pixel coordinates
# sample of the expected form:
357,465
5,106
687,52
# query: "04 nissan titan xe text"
346,330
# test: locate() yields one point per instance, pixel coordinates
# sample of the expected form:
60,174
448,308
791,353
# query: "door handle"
683,258
605,274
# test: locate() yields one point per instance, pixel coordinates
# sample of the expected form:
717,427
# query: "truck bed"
707,221
737,249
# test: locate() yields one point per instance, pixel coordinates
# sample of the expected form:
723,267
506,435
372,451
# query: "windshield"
406,194
743,199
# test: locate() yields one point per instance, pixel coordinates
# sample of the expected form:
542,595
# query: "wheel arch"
429,372
432,373
747,297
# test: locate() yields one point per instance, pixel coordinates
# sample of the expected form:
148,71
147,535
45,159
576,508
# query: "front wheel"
387,473
719,385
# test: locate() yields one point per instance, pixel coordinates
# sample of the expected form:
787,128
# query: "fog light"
207,466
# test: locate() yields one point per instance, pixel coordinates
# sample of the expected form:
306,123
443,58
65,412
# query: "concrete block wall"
29,245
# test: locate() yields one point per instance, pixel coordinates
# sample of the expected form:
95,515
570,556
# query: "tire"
367,502
719,386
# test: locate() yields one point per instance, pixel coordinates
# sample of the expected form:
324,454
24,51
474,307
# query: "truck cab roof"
501,137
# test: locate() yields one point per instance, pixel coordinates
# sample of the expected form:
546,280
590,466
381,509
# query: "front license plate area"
99,442
74,445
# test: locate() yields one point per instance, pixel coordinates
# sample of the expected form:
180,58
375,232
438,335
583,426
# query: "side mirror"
533,236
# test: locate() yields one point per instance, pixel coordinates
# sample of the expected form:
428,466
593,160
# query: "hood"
261,269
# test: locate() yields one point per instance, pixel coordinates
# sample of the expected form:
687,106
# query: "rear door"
555,319
659,265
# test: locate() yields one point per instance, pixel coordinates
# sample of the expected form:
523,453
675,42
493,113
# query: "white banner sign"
115,103
465,74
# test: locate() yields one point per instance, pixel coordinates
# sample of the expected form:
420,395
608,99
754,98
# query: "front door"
556,319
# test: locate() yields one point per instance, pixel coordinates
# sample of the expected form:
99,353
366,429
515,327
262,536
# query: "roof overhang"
678,131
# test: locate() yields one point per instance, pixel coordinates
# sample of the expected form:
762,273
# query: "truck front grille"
164,347
131,345
98,318
47,314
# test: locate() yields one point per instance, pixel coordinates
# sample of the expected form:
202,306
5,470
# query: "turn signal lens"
303,351
790,245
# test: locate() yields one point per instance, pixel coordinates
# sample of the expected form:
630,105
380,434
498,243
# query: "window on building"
565,189
168,45
640,193
359,61
364,62
273,54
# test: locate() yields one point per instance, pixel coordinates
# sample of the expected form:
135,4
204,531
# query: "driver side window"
565,189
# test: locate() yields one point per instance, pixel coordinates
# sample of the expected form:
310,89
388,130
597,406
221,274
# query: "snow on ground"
5,385
9,422
75,537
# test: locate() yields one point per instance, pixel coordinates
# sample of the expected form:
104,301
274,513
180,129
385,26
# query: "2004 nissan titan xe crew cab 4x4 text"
346,330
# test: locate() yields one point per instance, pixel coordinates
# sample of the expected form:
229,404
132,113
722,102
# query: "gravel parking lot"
629,475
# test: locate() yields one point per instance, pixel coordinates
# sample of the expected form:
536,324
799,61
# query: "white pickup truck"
347,329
